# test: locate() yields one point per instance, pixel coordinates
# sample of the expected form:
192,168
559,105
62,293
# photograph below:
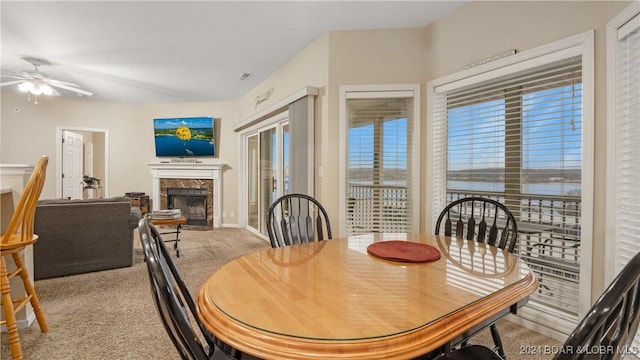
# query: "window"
515,132
623,158
379,176
522,134
623,130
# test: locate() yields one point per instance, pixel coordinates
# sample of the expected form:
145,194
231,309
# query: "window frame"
370,92
580,44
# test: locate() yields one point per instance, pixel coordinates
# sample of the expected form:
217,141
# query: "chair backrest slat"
447,225
471,224
493,231
482,226
309,228
470,216
319,226
299,215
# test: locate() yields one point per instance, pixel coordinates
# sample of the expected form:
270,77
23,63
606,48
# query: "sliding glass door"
267,164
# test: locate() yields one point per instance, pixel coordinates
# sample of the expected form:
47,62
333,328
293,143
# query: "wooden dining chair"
295,219
605,333
170,294
19,234
483,220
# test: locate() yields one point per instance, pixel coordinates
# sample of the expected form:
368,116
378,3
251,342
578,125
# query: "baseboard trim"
22,323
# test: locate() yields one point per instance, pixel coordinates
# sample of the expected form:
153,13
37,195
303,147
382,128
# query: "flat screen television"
184,137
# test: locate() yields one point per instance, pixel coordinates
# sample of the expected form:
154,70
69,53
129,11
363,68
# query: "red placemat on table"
405,251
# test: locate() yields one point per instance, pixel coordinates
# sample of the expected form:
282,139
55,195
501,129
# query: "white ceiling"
173,51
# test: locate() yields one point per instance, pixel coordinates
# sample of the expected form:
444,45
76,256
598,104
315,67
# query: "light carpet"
110,314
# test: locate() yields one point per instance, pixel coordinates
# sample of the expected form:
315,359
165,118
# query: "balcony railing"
377,208
550,230
549,227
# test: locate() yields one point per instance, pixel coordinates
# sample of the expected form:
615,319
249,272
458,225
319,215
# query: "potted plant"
91,181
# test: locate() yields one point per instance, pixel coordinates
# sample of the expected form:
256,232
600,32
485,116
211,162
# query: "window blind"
379,170
627,145
518,139
623,158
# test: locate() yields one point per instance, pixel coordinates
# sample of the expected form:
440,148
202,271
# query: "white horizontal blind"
379,165
627,145
518,139
626,132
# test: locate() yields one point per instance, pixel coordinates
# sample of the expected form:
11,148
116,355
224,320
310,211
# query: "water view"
554,188
172,146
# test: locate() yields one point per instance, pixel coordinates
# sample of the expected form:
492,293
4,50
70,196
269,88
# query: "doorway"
267,168
95,153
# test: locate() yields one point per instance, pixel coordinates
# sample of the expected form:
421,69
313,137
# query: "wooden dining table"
333,300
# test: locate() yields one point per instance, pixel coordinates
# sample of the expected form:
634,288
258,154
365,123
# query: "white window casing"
379,158
501,128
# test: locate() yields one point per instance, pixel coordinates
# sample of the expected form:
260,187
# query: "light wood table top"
330,299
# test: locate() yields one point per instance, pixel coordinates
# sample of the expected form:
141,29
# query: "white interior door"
72,160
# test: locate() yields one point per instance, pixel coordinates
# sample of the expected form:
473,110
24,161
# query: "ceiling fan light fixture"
26,86
35,88
46,89
37,83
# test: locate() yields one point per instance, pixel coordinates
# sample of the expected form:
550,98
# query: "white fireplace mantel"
200,170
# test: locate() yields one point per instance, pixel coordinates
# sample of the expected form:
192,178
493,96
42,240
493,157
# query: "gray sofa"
80,236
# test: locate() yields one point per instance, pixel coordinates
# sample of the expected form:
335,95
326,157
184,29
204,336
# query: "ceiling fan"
38,83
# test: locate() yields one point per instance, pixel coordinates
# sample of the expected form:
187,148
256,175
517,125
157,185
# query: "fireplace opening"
191,202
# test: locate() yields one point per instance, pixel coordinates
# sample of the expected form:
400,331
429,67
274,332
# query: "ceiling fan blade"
29,76
74,89
12,76
15,82
60,82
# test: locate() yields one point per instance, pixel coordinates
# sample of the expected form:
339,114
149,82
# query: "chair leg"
9,312
497,341
31,291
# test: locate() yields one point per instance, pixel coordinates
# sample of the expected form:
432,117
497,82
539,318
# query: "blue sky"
192,122
394,140
551,131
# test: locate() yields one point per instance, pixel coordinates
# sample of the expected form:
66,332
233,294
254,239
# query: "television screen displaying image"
184,137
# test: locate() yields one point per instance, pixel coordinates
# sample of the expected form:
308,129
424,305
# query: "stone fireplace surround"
188,184
190,175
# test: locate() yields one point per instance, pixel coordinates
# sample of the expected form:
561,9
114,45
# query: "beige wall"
308,68
28,130
363,57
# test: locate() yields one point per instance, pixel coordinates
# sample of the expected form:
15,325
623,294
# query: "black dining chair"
480,219
295,219
170,295
605,333
483,220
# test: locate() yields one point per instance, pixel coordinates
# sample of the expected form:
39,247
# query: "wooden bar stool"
18,236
